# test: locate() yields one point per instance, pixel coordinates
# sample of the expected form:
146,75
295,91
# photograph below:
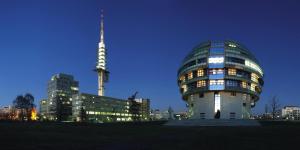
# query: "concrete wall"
237,107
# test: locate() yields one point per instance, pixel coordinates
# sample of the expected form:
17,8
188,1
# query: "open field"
129,136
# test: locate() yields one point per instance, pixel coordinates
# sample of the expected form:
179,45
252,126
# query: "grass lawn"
129,136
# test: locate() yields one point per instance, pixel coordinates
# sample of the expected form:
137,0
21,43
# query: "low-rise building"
291,112
94,108
6,113
181,116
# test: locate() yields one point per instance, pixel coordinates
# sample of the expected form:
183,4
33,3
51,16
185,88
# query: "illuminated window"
74,88
253,66
216,60
182,78
244,85
254,77
184,87
216,71
253,87
216,82
232,72
220,82
201,83
212,82
232,45
200,72
190,75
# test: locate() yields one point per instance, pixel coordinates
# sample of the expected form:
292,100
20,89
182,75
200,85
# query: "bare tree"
274,105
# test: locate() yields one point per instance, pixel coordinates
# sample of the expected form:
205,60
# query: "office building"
220,80
290,113
61,87
94,108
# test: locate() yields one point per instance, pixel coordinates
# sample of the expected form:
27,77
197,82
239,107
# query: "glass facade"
216,85
220,66
220,75
101,109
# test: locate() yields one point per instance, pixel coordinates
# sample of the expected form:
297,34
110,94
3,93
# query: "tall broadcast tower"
101,62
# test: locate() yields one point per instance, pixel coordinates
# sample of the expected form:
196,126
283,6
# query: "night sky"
146,42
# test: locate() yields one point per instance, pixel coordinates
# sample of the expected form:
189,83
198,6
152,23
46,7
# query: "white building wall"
202,105
229,104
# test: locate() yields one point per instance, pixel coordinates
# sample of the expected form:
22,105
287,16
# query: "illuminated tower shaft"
101,63
100,83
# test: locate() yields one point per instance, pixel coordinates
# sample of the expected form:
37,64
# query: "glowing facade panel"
254,66
217,102
216,59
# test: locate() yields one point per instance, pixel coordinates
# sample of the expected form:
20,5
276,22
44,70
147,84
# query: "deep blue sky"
146,42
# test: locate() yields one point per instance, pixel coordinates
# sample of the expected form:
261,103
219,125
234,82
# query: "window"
184,88
217,50
244,84
202,115
201,83
216,82
232,115
200,72
220,82
216,71
189,64
254,66
217,44
202,60
182,78
231,45
231,83
190,75
244,97
235,60
254,77
212,82
253,86
201,95
216,59
233,93
231,72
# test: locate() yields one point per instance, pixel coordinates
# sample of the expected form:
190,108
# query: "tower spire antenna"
102,27
101,63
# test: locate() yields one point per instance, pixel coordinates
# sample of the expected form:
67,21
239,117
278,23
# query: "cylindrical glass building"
220,80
